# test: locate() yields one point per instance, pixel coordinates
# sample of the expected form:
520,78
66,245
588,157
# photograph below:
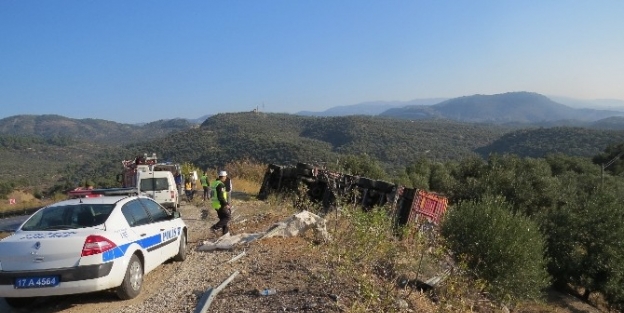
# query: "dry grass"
246,186
23,201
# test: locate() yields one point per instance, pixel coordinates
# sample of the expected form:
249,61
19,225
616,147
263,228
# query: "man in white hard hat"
220,202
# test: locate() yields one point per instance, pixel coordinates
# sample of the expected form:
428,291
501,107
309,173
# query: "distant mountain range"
512,107
521,108
370,108
599,104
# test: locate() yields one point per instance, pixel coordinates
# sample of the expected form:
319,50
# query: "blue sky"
141,61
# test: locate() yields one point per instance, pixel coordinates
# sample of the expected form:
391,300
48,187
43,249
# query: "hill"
39,150
274,138
288,139
370,108
284,138
91,130
602,104
512,107
539,142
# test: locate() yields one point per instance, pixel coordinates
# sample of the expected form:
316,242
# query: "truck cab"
152,179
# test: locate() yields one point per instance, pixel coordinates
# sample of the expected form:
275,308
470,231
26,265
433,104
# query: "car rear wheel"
181,256
18,302
133,280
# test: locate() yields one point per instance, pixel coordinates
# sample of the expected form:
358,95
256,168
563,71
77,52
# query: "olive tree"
504,249
585,244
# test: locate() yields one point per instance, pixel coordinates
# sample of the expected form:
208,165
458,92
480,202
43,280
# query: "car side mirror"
176,214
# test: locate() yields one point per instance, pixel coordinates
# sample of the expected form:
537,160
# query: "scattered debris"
293,226
210,294
299,224
236,257
267,292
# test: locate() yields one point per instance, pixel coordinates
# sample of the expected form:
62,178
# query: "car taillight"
172,195
95,244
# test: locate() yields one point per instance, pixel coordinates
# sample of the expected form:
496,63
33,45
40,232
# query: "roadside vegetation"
516,227
513,232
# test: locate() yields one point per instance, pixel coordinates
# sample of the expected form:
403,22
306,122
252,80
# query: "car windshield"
69,217
154,184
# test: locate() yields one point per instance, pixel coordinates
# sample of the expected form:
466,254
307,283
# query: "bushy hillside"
277,138
539,142
91,130
393,141
615,123
36,162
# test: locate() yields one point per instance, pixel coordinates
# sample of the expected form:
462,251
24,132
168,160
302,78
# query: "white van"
160,186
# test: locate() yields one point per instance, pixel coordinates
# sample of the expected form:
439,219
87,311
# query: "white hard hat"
222,173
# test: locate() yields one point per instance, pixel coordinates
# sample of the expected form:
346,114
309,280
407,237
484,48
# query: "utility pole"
605,165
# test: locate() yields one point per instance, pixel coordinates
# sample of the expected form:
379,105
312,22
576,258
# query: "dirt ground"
293,267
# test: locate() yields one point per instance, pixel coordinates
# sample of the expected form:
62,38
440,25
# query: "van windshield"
154,184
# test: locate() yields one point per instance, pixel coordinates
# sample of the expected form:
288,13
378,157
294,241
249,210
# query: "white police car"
89,244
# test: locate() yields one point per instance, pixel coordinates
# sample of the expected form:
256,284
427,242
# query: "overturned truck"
408,205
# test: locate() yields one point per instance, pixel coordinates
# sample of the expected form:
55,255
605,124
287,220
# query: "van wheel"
133,280
181,256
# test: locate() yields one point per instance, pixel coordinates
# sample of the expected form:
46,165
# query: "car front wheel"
133,280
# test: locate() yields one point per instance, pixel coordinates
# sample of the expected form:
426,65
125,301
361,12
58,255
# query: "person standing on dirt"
177,177
204,182
228,188
220,203
188,188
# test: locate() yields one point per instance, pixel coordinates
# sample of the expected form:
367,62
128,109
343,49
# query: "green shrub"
585,245
365,249
5,189
503,249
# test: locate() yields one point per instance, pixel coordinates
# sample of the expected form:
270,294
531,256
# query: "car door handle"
162,229
143,235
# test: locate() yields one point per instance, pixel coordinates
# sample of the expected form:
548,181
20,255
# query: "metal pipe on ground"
210,294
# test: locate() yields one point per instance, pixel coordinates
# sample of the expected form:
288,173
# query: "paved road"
10,224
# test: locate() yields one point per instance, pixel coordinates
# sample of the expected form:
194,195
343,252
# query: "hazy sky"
141,61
